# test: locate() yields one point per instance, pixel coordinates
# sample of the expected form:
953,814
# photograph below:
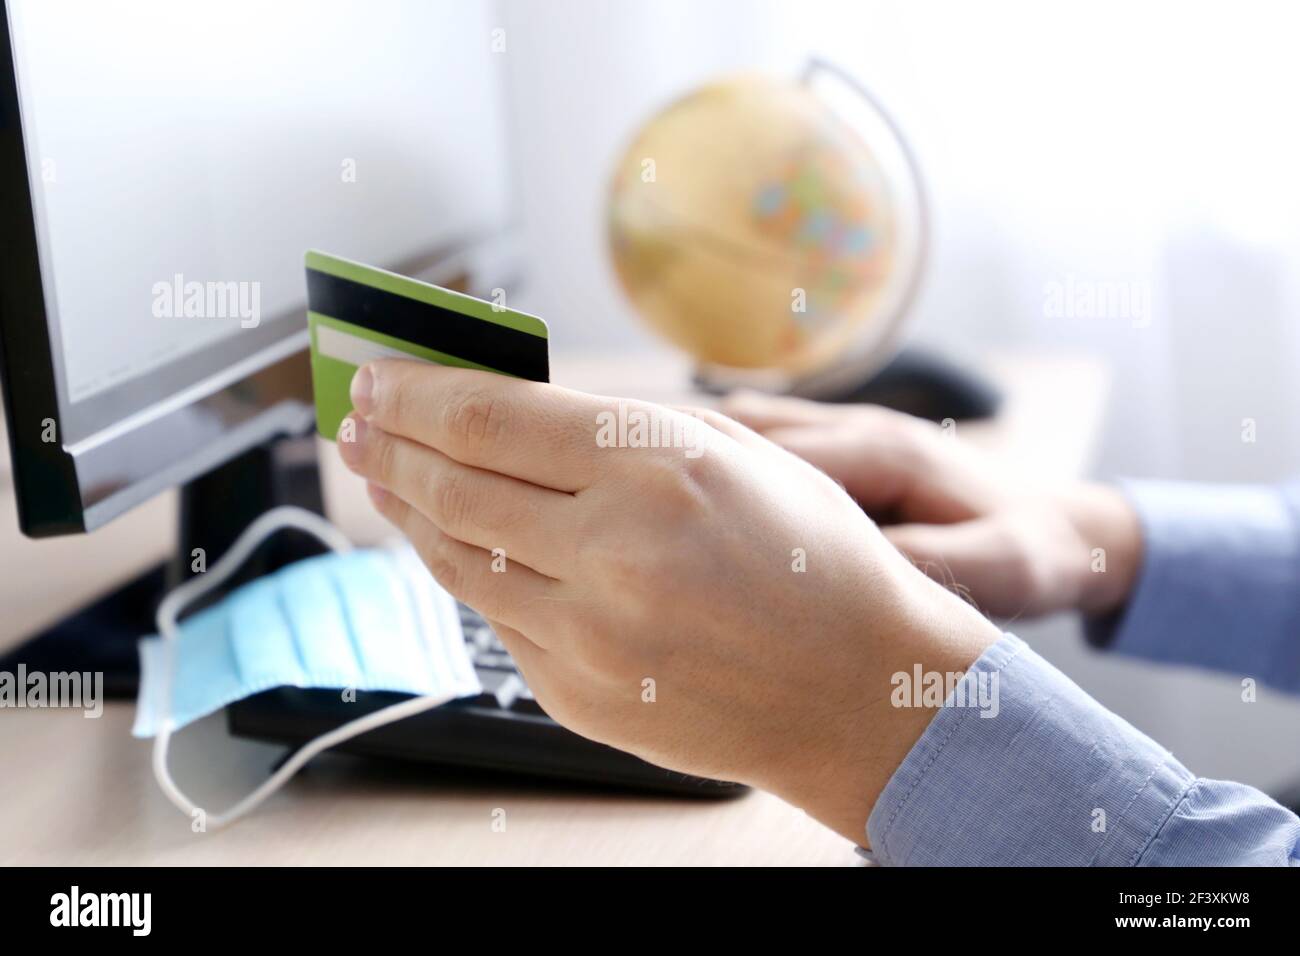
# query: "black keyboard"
501,680
502,729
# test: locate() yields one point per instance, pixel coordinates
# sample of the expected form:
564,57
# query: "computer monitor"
163,168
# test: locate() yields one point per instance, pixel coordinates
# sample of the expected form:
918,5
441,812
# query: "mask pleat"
421,593
320,623
385,633
261,638
204,659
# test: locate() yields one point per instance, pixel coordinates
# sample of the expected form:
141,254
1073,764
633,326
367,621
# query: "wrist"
837,779
1110,535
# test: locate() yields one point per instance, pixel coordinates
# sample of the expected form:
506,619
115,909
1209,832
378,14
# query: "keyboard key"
509,690
492,682
483,639
495,660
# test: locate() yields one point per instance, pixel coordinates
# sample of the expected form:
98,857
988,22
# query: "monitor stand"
214,509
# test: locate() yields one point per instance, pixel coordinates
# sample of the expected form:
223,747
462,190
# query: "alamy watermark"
80,690
133,911
652,427
179,299
921,688
1074,297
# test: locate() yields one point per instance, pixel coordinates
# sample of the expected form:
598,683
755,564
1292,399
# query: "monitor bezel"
58,448
45,475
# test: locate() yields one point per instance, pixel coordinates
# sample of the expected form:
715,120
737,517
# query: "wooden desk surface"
81,792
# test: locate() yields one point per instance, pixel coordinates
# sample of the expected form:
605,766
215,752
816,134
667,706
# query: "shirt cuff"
1218,582
1027,770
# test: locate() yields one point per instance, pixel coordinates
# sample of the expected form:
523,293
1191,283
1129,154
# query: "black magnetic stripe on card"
421,323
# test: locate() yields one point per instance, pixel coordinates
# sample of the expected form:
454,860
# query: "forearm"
1053,778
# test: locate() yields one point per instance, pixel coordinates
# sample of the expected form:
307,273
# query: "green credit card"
357,313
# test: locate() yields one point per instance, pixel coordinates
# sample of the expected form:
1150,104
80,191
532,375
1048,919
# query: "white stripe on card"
332,343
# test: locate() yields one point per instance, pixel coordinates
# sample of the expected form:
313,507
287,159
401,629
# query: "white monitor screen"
179,147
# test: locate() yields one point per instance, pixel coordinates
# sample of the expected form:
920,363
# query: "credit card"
357,313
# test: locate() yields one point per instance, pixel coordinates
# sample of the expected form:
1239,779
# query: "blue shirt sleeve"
1219,585
1030,770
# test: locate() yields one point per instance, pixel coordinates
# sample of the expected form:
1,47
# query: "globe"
750,224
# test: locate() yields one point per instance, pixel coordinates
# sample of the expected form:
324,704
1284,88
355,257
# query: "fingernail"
352,433
363,390
377,494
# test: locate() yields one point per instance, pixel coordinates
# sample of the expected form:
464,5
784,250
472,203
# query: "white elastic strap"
169,610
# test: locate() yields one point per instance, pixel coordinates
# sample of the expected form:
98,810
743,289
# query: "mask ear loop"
169,610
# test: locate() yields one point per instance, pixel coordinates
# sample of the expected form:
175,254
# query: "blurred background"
1148,145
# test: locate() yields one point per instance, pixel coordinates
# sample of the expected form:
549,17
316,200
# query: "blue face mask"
357,620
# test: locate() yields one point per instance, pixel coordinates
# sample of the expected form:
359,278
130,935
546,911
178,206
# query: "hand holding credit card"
357,313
